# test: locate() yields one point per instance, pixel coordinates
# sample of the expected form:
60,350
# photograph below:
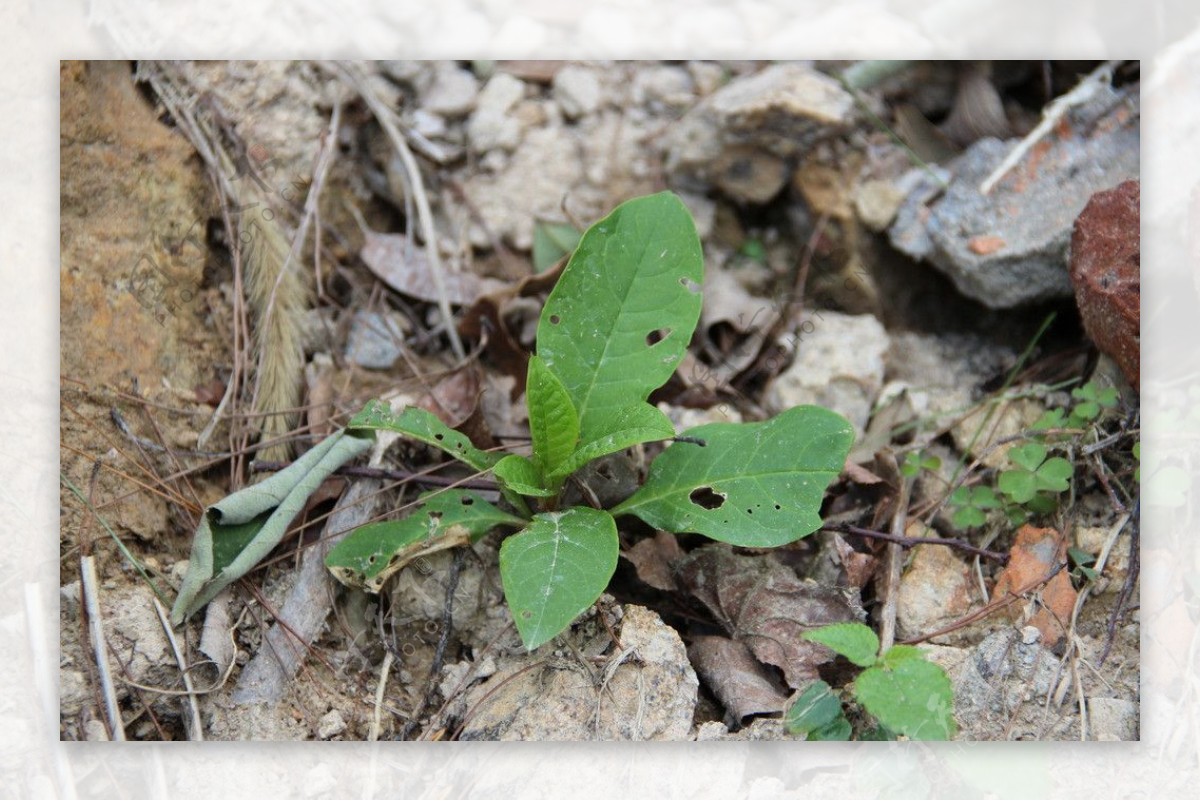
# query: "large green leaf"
752,484
556,568
553,424
620,317
447,518
238,532
423,426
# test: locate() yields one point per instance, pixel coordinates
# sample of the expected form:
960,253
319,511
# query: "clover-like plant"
612,331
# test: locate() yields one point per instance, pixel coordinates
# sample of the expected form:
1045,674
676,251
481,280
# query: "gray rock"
452,93
1009,248
491,126
664,87
375,340
1001,674
776,113
1113,719
646,692
331,724
838,365
577,91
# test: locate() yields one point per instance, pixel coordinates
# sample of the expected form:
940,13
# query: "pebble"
452,93
577,91
376,340
331,724
1113,719
490,125
838,365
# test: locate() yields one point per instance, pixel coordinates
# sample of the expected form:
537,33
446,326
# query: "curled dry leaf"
763,604
404,267
740,682
1037,552
859,567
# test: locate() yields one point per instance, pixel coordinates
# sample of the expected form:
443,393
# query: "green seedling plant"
613,330
903,691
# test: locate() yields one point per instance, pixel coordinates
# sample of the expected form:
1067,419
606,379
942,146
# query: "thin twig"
1131,577
1087,88
195,728
439,653
384,669
909,542
89,583
384,116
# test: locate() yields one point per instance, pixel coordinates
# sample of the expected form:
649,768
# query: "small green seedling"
973,505
907,694
1091,402
915,462
613,330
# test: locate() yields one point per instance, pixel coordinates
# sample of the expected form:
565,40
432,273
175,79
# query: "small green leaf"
984,498
447,518
1029,455
751,484
913,697
552,420
816,708
552,241
637,424
854,641
1080,557
1020,485
1052,418
423,426
1042,503
620,317
556,568
1055,474
1107,397
837,730
521,476
898,653
968,517
1086,411
960,496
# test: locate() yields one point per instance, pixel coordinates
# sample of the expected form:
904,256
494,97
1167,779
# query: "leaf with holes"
448,518
553,424
620,317
757,485
556,568
423,426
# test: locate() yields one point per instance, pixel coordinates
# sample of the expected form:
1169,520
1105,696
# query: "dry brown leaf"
654,558
765,605
740,682
1036,552
454,398
406,269
859,567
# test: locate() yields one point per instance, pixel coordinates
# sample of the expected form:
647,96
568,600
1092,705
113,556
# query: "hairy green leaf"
912,696
446,519
553,423
521,476
556,568
619,319
238,532
418,424
751,484
854,641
